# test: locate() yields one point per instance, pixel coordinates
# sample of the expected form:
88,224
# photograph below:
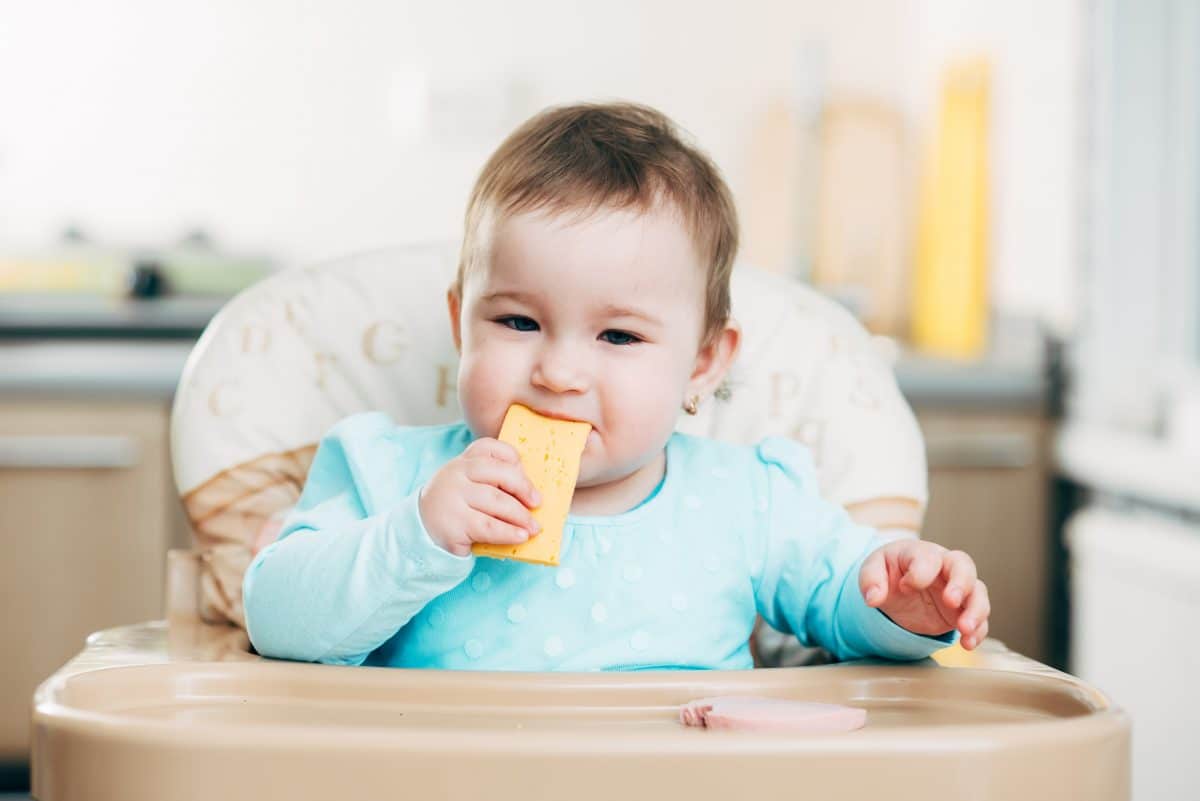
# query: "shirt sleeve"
353,562
811,553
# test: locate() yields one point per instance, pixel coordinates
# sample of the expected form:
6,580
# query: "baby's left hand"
927,589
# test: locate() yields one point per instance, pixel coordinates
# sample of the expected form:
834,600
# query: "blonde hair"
592,156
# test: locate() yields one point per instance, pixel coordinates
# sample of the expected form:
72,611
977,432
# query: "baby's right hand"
481,495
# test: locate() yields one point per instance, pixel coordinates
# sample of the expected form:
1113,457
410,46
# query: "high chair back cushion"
295,353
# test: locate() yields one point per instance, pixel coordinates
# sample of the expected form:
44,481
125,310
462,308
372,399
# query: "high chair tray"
186,712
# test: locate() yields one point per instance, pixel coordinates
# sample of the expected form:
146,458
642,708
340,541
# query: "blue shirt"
673,583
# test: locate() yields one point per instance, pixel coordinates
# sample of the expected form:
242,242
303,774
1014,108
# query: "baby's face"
596,319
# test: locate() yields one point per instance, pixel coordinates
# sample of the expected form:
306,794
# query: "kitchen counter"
51,344
151,367
67,316
927,381
108,368
1128,464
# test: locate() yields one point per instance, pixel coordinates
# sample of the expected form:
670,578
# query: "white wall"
294,126
311,128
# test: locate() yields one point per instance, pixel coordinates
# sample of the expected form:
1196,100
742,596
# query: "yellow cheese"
550,452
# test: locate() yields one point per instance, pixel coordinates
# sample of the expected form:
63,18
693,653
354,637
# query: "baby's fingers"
975,614
959,571
972,641
491,448
499,504
924,566
508,477
873,579
485,528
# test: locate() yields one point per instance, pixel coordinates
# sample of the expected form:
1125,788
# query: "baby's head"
594,281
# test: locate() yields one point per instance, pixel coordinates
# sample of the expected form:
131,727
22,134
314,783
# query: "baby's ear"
454,306
714,359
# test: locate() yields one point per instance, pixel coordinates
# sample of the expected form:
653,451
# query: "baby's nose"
561,369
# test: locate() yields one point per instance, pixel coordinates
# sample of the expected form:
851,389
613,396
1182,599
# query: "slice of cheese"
550,452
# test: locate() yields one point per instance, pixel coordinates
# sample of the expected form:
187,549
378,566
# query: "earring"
692,404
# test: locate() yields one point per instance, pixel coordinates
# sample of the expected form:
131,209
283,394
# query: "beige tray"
185,712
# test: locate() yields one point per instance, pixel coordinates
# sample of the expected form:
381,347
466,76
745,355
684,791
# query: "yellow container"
950,300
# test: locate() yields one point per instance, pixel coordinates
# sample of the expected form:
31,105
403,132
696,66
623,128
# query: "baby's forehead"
582,298
567,213
614,244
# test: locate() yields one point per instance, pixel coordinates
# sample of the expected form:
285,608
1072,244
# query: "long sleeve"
354,562
809,559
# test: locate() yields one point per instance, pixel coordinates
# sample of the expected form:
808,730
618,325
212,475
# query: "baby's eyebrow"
520,297
612,310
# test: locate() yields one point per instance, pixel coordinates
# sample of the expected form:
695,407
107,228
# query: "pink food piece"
750,713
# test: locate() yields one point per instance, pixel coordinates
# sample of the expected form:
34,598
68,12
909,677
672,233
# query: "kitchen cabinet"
989,486
87,513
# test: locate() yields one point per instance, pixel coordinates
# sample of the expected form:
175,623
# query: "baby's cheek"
644,411
485,388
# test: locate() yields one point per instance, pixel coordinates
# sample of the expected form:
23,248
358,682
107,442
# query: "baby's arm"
353,563
927,589
810,559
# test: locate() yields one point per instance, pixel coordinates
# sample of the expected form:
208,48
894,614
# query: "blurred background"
1009,191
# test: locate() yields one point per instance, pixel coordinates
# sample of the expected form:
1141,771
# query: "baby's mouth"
556,415
567,417
593,437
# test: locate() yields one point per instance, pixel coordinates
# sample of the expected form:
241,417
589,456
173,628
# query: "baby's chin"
592,464
597,468
599,480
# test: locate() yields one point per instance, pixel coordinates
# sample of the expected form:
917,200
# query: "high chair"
183,709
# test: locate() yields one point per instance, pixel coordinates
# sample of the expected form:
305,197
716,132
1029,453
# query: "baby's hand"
482,495
927,589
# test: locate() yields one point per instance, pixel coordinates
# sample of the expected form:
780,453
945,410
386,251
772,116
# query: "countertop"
52,345
1130,465
147,367
67,316
103,368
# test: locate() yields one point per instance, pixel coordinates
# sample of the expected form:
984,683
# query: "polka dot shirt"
675,582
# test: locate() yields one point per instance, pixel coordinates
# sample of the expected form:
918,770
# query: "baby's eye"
614,337
517,322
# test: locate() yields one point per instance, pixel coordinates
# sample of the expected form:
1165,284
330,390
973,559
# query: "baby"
593,286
